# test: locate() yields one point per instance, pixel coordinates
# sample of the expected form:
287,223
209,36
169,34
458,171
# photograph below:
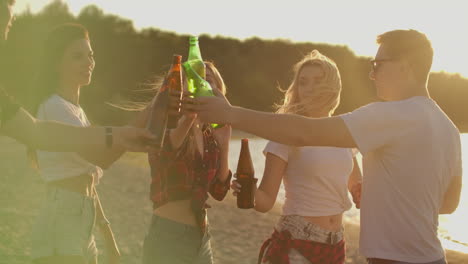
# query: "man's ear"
406,68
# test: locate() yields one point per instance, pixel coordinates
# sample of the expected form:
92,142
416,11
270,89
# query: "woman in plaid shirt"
192,163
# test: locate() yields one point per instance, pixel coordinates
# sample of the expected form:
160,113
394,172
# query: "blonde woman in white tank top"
316,179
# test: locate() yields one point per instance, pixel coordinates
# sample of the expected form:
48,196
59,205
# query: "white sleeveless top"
315,179
60,165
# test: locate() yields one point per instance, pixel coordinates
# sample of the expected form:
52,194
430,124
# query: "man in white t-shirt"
411,150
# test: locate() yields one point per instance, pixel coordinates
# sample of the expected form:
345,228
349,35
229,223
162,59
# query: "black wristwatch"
109,137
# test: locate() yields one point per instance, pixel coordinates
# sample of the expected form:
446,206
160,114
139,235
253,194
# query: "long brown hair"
47,79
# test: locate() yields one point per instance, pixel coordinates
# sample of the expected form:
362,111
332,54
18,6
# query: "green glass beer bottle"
195,71
194,58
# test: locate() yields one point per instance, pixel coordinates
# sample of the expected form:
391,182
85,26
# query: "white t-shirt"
411,151
315,179
59,165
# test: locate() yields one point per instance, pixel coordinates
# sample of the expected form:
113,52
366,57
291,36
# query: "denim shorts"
168,241
65,225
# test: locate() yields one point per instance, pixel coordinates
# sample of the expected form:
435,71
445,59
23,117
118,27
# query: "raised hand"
210,109
235,187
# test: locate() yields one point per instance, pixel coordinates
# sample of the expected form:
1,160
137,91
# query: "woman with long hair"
316,179
63,232
192,163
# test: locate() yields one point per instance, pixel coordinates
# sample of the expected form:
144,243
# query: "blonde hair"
325,98
191,148
217,76
152,87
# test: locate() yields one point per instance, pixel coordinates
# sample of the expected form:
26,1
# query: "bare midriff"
179,211
332,223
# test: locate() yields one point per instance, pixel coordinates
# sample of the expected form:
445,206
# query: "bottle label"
244,176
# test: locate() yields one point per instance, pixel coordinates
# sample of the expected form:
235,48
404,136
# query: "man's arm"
355,184
287,129
293,130
452,196
55,136
50,135
104,157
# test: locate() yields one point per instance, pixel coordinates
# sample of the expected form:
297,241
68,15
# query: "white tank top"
315,179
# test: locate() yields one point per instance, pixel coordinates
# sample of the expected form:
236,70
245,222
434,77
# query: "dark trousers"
170,242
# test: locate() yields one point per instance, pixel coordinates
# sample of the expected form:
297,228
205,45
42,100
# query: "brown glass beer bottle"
157,120
174,80
245,177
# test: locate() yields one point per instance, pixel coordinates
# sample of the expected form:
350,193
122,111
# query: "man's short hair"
412,46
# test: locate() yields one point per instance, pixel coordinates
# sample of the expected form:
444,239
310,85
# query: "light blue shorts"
65,226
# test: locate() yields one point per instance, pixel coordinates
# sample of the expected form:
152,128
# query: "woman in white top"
64,228
316,179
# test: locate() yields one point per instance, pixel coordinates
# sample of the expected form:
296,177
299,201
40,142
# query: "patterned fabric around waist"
315,244
302,229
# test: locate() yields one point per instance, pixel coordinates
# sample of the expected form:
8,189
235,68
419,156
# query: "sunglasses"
375,64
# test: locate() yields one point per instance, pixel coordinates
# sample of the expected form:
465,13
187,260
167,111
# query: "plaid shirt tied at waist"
177,175
275,250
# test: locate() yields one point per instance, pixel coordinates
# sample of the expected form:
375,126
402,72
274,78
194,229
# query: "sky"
343,22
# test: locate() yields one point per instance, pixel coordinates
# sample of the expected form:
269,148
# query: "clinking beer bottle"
245,177
195,70
157,121
197,85
174,80
194,58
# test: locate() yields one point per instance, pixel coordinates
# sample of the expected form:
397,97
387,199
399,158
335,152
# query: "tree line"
253,69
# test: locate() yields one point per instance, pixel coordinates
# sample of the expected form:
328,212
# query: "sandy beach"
236,234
